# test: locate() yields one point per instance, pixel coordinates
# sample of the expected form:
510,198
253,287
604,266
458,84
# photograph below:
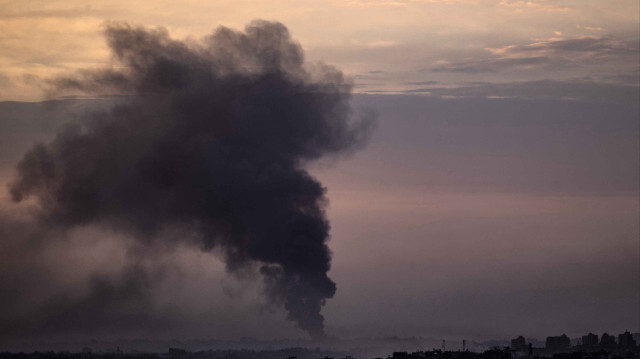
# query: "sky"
389,46
496,196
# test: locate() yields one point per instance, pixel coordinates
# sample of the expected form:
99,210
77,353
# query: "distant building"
590,340
625,340
519,344
607,341
558,343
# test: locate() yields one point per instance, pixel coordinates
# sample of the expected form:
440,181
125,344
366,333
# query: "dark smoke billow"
213,135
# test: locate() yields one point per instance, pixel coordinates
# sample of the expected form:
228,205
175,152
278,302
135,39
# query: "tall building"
607,341
590,340
558,343
625,340
519,344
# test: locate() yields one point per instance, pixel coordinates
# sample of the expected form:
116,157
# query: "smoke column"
215,135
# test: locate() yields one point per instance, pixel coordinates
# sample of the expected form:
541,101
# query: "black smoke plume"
214,135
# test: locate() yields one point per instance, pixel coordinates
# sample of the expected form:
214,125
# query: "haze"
496,196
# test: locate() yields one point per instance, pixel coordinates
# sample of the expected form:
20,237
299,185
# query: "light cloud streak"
551,54
581,90
539,5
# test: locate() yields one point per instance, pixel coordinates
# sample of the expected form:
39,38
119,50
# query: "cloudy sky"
497,196
388,46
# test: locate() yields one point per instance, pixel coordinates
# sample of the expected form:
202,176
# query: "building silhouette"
558,343
625,340
519,344
607,341
590,340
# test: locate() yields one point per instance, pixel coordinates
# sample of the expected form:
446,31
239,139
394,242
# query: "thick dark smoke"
214,136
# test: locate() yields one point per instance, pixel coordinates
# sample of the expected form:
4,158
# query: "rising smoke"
213,135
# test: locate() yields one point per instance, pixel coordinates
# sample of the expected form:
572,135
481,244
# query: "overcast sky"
497,196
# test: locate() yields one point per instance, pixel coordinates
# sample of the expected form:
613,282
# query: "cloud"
549,54
430,82
591,28
398,3
544,89
596,46
5,81
48,13
539,5
492,65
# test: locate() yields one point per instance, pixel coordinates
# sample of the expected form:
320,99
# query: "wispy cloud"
379,3
591,28
539,5
550,54
422,83
491,65
606,45
575,89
